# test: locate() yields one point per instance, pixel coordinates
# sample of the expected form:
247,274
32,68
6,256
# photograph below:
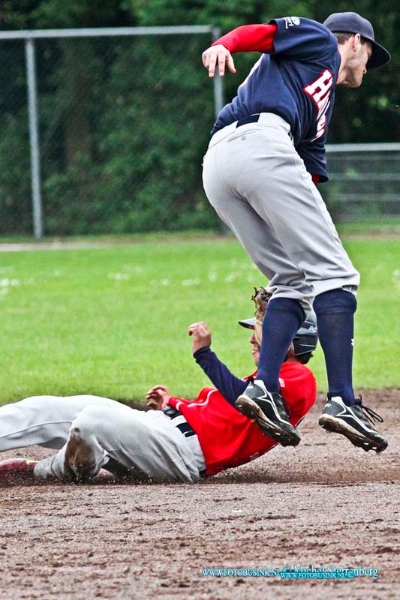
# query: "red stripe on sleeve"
249,38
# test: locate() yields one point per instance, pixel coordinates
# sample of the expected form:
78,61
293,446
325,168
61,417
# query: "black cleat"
268,410
354,422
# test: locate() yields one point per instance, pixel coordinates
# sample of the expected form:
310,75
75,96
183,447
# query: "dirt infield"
323,503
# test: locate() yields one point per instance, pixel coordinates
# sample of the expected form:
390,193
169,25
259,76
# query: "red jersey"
228,438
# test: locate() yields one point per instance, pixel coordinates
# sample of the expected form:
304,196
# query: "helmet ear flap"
306,339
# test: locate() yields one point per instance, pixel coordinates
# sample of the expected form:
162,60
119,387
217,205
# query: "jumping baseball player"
265,157
180,441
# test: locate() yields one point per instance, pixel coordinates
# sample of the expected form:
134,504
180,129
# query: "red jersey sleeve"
249,38
174,401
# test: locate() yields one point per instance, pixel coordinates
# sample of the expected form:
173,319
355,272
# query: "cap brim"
248,323
379,57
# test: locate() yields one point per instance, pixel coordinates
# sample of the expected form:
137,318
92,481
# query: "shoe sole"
334,425
250,409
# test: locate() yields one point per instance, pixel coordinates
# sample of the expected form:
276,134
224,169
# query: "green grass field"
112,320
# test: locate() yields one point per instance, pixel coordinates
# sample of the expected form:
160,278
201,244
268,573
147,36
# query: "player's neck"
344,51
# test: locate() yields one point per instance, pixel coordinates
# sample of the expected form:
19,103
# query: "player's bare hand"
201,335
218,56
158,397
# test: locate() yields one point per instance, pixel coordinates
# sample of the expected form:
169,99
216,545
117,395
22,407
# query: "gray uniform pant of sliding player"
148,443
259,186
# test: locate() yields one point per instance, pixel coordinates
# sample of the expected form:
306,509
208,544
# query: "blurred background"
103,131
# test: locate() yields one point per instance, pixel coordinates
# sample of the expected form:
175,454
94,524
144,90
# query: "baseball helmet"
306,338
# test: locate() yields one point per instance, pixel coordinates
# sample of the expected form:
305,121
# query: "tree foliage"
124,124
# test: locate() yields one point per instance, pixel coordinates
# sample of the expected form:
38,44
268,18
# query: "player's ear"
356,41
290,352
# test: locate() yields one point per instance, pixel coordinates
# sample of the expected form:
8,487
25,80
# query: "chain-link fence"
364,182
103,131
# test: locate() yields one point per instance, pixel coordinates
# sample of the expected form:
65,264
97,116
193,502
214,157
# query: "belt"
246,120
179,421
255,118
263,119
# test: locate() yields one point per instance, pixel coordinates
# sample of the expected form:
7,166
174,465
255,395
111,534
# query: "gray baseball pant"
43,420
260,188
148,443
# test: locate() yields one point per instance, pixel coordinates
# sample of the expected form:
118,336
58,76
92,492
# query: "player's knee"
92,420
335,301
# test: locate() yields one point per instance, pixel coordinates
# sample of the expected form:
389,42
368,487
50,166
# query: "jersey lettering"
319,92
291,21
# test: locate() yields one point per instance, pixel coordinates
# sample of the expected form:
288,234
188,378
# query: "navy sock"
282,319
335,316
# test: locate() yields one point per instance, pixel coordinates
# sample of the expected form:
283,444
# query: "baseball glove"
260,298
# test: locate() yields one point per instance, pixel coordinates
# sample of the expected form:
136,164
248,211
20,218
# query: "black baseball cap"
351,22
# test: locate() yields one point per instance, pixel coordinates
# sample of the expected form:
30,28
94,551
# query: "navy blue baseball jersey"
296,81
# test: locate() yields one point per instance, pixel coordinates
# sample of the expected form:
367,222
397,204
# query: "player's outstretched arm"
218,56
201,335
218,373
247,38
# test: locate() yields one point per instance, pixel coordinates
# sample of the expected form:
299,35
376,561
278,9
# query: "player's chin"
352,84
356,82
